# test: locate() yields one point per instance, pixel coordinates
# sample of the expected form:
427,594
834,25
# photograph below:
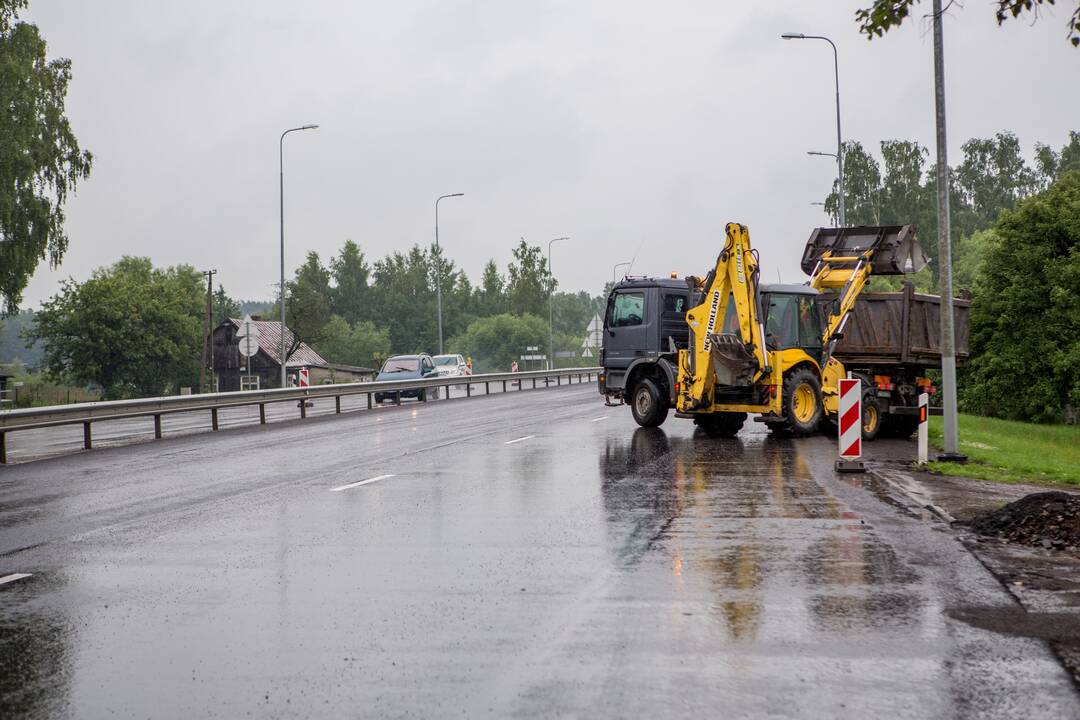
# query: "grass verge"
1012,452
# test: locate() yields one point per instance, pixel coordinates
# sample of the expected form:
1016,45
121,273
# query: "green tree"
40,159
495,342
404,300
1025,321
992,176
350,273
490,295
225,307
529,282
571,313
307,309
361,344
883,15
132,329
1050,164
862,188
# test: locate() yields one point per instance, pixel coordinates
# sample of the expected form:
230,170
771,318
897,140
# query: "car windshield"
446,360
394,365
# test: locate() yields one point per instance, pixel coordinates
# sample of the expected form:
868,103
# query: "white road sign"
249,345
248,328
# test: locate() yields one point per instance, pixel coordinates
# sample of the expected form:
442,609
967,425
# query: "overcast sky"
633,127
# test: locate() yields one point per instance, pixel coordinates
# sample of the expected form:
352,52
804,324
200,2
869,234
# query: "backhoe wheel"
721,424
649,405
801,404
871,413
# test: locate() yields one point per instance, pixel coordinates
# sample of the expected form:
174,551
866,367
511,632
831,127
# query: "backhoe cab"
746,347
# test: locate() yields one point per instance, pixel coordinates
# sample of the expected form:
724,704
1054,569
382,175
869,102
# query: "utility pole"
438,266
944,226
207,347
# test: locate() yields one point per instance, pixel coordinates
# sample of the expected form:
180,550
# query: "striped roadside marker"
924,429
850,414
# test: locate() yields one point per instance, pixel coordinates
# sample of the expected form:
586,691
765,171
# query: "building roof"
270,344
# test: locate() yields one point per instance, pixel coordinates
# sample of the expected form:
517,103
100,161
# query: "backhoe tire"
648,404
721,424
801,404
871,413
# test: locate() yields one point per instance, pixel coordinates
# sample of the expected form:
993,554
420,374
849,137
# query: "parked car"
407,367
452,366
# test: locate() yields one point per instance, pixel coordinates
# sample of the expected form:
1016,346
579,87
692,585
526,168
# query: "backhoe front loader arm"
727,343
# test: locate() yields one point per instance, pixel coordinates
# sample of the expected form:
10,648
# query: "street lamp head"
309,127
793,36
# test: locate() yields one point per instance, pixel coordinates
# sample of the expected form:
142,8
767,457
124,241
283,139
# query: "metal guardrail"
91,412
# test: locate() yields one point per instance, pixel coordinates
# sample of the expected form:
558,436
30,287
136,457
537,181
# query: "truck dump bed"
899,328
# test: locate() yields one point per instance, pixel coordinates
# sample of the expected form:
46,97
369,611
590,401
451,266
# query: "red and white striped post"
305,379
850,414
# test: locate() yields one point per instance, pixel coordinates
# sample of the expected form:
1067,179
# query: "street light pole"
551,294
281,188
438,270
839,141
950,431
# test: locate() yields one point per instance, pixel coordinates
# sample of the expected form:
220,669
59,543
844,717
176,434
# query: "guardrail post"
262,413
3,448
337,404
397,397
303,408
213,418
369,401
468,389
86,443
504,386
558,380
157,427
534,383
487,388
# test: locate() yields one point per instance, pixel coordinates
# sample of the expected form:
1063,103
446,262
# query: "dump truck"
724,346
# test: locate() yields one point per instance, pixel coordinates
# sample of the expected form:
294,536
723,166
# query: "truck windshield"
628,309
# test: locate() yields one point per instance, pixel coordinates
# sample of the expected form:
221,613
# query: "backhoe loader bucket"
894,249
733,365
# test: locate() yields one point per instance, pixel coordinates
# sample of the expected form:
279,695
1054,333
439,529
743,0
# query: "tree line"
135,330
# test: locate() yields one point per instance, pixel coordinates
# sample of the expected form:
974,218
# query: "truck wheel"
871,414
649,405
721,424
801,404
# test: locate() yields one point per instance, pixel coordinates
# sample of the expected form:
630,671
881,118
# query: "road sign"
247,328
565,354
850,426
534,357
249,345
532,348
305,380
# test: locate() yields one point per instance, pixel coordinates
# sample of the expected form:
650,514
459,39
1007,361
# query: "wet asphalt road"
522,556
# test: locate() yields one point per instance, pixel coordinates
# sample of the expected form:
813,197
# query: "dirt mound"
1048,520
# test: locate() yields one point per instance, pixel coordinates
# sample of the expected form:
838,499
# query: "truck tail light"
884,382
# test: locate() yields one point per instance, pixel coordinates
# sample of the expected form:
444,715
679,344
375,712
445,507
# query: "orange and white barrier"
850,426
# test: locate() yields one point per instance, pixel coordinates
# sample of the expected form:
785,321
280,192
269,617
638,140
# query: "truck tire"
721,424
801,404
871,413
648,404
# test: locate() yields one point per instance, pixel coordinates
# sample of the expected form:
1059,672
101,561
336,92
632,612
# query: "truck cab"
644,327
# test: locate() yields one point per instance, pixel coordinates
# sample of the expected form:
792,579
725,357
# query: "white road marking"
520,439
13,577
602,417
361,482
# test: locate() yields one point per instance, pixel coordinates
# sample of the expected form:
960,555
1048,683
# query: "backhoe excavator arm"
727,343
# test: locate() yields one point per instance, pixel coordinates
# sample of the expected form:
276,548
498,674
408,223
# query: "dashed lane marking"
517,440
13,577
361,482
602,417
